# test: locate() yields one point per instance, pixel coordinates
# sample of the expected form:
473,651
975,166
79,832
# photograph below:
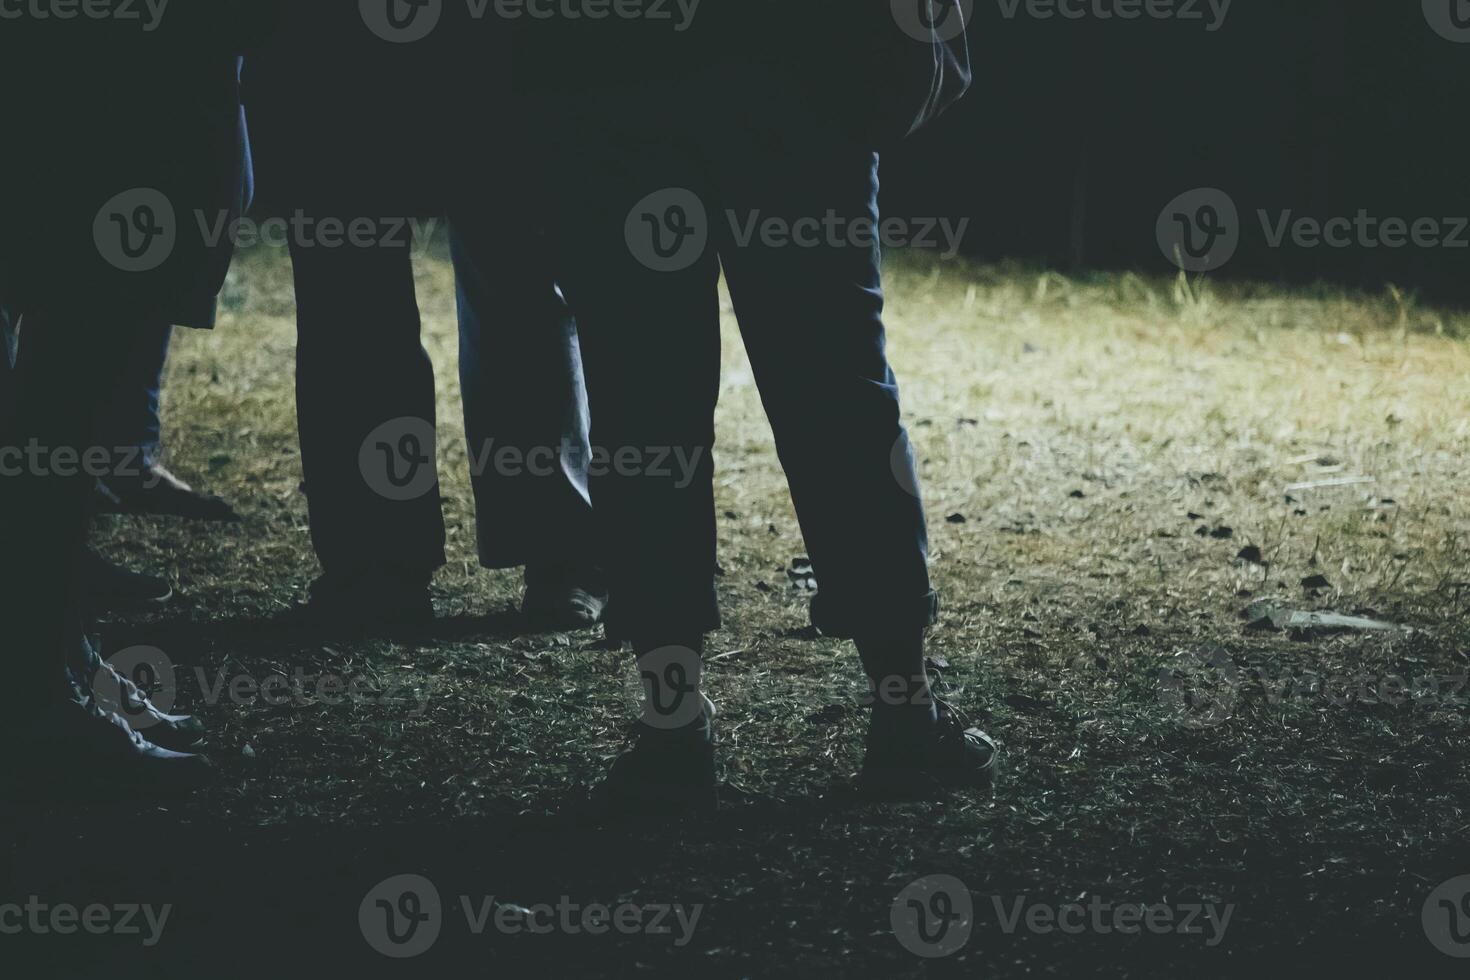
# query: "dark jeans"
525,402
708,157
366,404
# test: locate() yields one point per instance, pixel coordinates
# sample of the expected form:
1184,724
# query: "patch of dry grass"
1068,428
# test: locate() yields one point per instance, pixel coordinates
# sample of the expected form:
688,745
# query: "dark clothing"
127,139
360,365
126,148
61,377
135,392
734,146
525,401
843,62
347,122
132,416
357,126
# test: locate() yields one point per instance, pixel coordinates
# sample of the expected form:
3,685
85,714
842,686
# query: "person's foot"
157,491
908,762
115,693
564,597
360,604
113,588
77,751
665,774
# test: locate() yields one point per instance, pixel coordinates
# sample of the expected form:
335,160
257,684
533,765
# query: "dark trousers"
51,453
135,389
367,411
525,401
644,170
362,371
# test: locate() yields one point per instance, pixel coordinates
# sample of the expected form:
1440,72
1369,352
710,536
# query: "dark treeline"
1080,131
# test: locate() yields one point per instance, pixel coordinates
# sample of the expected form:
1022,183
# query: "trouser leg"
48,465
133,416
810,310
525,398
650,343
366,411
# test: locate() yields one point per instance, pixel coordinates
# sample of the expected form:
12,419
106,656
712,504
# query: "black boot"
918,761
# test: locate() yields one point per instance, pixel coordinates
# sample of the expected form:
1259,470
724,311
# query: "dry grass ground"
1084,444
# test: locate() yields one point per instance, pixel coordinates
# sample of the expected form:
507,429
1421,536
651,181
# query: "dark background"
1078,133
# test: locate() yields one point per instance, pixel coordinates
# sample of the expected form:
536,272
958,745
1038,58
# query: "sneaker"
564,597
665,774
359,605
949,755
115,693
113,588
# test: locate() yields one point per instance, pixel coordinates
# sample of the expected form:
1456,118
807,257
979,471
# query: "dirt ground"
1127,479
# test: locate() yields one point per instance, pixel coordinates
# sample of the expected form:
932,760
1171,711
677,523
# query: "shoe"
116,694
665,774
157,491
113,588
360,605
78,751
564,597
950,755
